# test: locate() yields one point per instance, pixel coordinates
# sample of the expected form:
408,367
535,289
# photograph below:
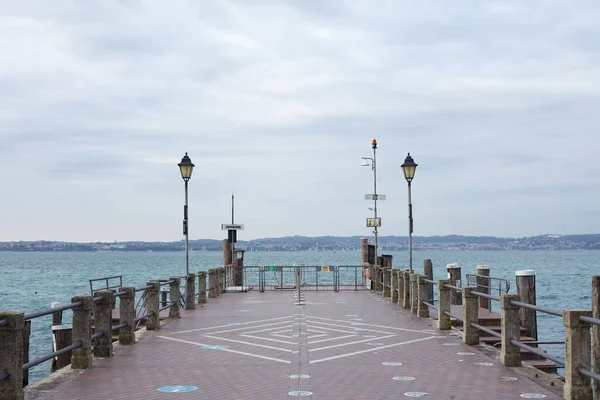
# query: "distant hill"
298,243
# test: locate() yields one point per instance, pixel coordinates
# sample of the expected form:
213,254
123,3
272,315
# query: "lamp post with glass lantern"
186,167
409,168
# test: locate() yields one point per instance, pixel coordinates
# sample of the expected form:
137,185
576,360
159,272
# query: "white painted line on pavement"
369,350
225,326
349,343
248,343
227,350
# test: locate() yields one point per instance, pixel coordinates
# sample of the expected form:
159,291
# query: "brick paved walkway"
346,345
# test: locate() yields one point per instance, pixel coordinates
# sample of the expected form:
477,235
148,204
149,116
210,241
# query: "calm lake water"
31,281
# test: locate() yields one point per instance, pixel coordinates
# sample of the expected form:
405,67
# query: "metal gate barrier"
309,277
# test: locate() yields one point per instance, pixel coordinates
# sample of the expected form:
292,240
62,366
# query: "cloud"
277,101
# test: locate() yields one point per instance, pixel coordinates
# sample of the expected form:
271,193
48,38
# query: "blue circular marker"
177,389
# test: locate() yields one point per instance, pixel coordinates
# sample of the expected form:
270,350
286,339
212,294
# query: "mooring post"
406,299
103,322
175,297
413,293
510,355
444,294
26,335
577,355
153,321
470,314
201,287
61,338
226,252
11,348
127,315
483,286
455,275
394,285
190,292
212,284
400,286
596,332
526,291
81,358
422,295
364,259
428,272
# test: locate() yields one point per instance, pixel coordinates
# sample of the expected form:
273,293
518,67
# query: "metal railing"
282,277
107,284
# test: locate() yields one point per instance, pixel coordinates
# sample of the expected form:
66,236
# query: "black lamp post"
373,165
409,168
186,167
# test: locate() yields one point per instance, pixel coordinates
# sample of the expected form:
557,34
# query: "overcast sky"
277,101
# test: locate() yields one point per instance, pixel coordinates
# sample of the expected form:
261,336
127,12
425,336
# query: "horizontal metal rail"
121,325
144,288
143,317
52,355
429,305
97,299
538,352
430,281
487,296
169,305
167,283
3,375
117,294
452,316
3,322
97,335
479,280
591,321
589,373
486,330
537,308
49,311
457,288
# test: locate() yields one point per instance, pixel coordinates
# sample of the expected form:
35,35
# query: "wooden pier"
274,345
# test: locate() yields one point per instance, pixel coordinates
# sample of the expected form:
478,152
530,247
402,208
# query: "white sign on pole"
232,227
374,196
373,222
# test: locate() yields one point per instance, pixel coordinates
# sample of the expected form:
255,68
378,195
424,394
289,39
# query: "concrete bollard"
364,251
470,314
387,274
175,297
127,315
81,358
227,256
422,295
377,279
400,286
444,294
577,355
394,285
406,291
455,276
153,321
11,361
190,292
428,272
510,355
212,284
596,332
413,293
483,286
222,280
526,291
201,287
103,322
